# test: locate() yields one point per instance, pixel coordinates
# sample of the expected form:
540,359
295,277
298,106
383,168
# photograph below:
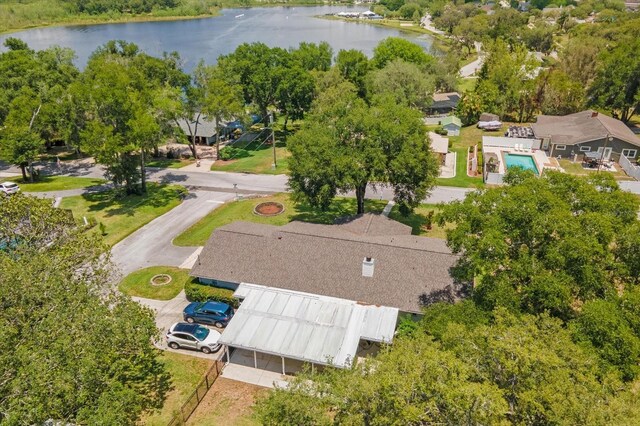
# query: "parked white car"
8,188
193,336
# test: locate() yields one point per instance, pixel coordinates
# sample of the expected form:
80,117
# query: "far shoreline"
125,19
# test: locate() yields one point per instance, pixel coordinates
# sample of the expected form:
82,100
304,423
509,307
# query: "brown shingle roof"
581,127
327,260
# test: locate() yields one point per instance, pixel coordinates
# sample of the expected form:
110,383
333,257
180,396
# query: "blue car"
215,313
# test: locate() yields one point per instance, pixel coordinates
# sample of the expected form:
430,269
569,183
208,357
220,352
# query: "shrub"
441,131
230,153
197,292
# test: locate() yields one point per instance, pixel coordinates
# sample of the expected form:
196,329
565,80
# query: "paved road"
471,69
245,183
151,245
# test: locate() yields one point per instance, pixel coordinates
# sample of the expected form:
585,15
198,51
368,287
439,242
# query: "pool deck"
539,157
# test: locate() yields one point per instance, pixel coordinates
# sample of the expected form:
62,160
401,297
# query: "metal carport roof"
306,327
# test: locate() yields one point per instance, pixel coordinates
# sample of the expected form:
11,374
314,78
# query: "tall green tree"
124,117
354,67
313,57
507,83
541,244
560,95
72,349
405,83
258,69
346,145
295,93
221,100
393,48
32,84
617,84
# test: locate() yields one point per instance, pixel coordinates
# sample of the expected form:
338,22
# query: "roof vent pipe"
367,267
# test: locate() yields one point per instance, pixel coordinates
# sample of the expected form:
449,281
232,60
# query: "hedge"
232,153
197,292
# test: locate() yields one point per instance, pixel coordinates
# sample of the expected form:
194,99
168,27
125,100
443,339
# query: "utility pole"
273,141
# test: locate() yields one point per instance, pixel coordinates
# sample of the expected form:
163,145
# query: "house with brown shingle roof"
370,259
584,132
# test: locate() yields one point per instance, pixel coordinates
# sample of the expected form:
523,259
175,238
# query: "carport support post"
282,365
255,360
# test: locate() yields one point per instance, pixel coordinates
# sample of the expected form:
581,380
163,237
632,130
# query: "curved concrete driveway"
151,245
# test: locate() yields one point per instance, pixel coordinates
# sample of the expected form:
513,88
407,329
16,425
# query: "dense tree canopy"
120,96
345,144
461,366
32,85
541,244
71,348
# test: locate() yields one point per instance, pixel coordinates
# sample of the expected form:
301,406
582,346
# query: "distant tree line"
94,7
126,103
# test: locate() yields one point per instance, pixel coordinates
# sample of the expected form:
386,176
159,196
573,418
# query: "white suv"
8,188
193,336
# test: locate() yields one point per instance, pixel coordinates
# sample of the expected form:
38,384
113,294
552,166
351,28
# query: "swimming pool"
524,161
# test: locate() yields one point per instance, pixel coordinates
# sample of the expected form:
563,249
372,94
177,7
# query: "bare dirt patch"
269,208
228,402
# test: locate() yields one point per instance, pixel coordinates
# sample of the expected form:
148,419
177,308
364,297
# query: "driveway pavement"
151,245
168,312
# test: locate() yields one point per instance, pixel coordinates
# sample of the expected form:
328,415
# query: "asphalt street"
152,245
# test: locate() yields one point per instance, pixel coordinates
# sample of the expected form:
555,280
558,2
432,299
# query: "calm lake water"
208,38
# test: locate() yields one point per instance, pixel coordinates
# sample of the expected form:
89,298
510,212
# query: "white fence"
505,142
631,169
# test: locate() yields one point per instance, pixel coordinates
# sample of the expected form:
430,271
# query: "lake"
207,38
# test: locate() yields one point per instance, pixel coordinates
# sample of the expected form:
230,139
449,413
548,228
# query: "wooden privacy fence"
197,396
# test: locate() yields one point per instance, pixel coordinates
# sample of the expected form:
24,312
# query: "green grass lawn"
259,162
461,178
469,136
123,215
418,221
138,283
54,183
168,163
467,84
198,234
186,372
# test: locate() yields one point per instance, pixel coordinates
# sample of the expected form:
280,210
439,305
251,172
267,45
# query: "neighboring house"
587,131
202,129
404,271
444,103
439,146
452,125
